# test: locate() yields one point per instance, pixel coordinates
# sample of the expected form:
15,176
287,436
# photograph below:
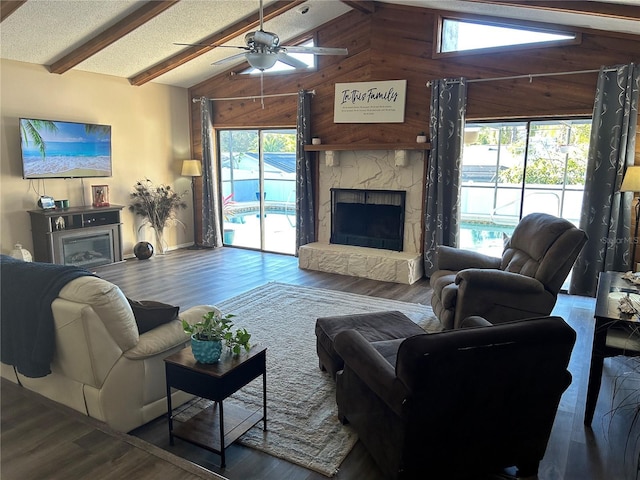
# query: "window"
464,35
511,169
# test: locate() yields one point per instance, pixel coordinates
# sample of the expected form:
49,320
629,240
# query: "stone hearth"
373,263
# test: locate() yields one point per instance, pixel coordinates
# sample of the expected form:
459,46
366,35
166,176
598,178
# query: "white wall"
150,138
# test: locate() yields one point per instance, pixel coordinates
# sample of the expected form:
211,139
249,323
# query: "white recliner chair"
102,366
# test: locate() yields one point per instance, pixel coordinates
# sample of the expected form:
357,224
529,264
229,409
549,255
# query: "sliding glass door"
511,169
258,188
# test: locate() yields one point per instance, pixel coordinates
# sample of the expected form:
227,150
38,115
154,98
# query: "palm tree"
100,130
30,128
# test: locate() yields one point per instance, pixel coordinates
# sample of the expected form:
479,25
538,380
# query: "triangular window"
464,35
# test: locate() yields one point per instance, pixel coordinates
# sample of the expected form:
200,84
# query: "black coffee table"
215,428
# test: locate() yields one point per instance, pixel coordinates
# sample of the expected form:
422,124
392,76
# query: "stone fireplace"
370,170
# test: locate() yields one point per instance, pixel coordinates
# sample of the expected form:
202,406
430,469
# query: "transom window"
468,35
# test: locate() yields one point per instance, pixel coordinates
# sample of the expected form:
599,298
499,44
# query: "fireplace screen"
87,250
368,218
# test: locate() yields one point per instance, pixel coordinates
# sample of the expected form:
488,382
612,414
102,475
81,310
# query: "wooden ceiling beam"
7,7
112,34
600,9
245,25
361,6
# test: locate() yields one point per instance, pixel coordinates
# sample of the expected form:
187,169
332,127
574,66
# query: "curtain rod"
530,76
252,97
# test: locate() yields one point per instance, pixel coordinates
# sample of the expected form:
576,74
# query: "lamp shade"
631,180
191,168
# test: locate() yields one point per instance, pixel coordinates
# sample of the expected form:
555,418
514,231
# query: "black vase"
143,250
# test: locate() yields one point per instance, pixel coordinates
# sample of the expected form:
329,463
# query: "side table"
611,286
214,428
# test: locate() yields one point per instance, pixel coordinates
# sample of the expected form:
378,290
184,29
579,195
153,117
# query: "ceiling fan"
263,50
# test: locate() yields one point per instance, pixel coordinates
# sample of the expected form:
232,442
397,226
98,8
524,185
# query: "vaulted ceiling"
135,39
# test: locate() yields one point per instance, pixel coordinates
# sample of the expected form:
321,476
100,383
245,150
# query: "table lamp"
193,169
631,183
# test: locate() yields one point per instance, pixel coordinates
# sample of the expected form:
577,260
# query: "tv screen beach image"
52,149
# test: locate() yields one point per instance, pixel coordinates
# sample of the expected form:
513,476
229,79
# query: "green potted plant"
208,334
158,205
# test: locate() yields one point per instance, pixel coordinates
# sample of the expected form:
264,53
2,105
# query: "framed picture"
100,195
370,102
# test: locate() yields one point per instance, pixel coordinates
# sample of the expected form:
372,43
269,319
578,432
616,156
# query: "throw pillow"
150,314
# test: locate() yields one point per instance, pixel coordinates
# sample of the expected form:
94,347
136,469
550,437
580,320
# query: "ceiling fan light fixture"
261,60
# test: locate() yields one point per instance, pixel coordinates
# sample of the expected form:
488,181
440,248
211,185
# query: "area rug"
302,422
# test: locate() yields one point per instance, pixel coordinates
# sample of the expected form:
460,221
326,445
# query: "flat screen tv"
52,149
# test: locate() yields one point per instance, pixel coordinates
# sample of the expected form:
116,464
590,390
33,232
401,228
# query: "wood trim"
367,146
7,7
243,26
111,35
594,8
361,6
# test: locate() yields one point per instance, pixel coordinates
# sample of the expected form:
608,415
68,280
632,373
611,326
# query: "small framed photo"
100,195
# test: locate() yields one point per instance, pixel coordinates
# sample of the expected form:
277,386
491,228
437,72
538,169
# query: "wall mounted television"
54,149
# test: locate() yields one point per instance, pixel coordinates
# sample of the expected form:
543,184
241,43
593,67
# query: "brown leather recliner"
525,282
459,403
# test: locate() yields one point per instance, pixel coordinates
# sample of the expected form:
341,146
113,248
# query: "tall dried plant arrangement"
157,205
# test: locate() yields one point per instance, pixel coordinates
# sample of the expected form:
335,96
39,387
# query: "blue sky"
70,132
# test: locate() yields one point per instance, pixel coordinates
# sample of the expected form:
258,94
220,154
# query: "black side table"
214,428
611,286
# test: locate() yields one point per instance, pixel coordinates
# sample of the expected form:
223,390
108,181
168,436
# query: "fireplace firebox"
368,218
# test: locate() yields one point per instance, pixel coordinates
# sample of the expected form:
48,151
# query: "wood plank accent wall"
396,42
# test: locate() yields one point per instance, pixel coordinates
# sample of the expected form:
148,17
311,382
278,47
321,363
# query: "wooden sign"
370,102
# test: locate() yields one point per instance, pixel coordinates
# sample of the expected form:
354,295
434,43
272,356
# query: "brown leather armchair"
459,403
525,282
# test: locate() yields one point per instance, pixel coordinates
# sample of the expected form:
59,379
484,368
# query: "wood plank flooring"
42,439
193,277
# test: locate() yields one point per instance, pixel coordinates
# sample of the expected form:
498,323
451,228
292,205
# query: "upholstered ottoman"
375,327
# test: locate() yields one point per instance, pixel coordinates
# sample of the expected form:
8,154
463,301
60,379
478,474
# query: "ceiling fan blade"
316,50
232,58
289,60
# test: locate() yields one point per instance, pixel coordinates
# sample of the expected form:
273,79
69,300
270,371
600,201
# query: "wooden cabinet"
82,236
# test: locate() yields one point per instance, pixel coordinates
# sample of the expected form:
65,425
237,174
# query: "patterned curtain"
442,202
211,220
305,216
606,212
